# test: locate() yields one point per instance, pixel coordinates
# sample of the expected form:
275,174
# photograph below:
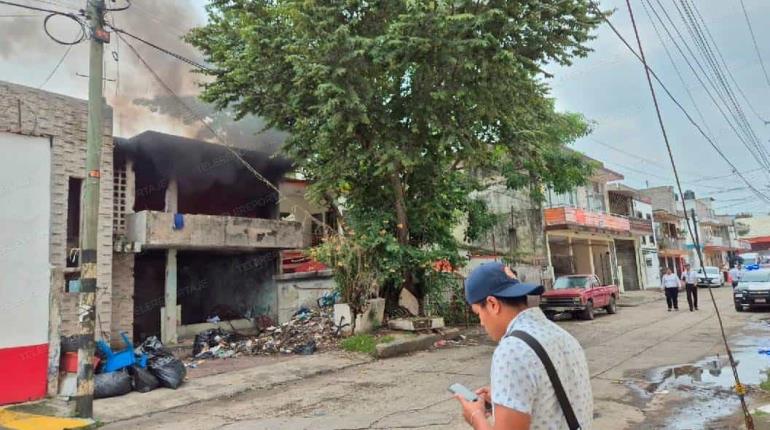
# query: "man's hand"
474,412
485,394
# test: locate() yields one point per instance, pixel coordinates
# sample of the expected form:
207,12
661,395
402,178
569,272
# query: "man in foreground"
522,393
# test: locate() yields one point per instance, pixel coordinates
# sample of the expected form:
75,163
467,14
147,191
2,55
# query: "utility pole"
87,296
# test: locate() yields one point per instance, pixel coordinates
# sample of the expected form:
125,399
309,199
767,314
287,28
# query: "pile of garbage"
143,369
307,331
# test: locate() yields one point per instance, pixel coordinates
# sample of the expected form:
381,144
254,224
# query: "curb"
420,342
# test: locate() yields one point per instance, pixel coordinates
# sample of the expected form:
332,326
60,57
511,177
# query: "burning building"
196,225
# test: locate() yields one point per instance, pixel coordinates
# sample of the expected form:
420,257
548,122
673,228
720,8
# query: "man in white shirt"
690,278
521,392
671,287
735,274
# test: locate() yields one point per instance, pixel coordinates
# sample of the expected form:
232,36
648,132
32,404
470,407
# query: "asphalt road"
411,392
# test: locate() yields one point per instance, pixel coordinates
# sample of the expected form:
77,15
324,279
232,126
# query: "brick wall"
29,111
122,295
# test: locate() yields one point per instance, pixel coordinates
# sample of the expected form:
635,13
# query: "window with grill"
119,201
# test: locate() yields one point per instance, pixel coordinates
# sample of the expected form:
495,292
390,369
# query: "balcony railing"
640,225
671,243
565,217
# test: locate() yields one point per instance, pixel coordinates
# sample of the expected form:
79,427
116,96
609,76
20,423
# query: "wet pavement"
701,394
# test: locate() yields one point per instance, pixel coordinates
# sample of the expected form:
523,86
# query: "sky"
608,87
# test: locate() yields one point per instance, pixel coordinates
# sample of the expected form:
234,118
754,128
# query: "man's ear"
493,303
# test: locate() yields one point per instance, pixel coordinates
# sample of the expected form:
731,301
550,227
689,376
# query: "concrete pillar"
591,258
571,253
169,318
172,196
130,187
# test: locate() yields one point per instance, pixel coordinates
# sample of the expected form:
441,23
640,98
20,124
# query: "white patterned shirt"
519,380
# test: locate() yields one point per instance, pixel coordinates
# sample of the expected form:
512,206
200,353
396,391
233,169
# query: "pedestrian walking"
735,274
671,287
539,374
690,278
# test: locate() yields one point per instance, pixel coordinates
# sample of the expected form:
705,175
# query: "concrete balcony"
669,246
640,225
716,242
580,219
155,230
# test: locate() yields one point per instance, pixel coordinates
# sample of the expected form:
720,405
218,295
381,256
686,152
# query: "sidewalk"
222,385
631,299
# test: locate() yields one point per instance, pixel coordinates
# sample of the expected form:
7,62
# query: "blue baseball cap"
496,279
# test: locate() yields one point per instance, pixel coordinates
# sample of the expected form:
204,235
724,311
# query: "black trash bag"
209,338
143,380
111,384
151,346
306,349
169,370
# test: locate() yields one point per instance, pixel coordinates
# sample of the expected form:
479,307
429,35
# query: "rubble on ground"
308,331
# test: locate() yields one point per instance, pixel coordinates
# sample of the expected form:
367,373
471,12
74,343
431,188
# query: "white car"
712,277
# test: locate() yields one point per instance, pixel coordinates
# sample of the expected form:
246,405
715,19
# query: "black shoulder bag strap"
561,395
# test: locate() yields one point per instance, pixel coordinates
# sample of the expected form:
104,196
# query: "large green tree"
395,107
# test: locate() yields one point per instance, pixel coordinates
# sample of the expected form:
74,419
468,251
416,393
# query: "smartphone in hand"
464,392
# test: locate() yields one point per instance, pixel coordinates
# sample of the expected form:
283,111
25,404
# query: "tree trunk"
403,237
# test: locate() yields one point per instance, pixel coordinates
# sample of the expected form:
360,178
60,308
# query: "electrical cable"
63,42
676,69
740,390
738,134
51,14
682,109
729,72
659,163
61,60
708,52
754,40
163,50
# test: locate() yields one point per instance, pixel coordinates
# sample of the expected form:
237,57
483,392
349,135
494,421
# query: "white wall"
25,209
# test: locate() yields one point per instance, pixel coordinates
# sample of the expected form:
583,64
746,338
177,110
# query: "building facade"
43,139
198,229
584,236
516,238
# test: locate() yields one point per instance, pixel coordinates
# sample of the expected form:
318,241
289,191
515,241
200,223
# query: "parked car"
712,277
753,290
580,295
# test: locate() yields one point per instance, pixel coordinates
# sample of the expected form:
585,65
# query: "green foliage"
392,105
446,298
364,343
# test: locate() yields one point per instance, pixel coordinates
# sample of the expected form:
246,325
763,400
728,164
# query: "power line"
739,388
706,76
681,108
61,60
659,163
676,69
706,49
729,72
163,50
754,40
52,13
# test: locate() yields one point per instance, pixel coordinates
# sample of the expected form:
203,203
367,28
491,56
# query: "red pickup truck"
580,295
